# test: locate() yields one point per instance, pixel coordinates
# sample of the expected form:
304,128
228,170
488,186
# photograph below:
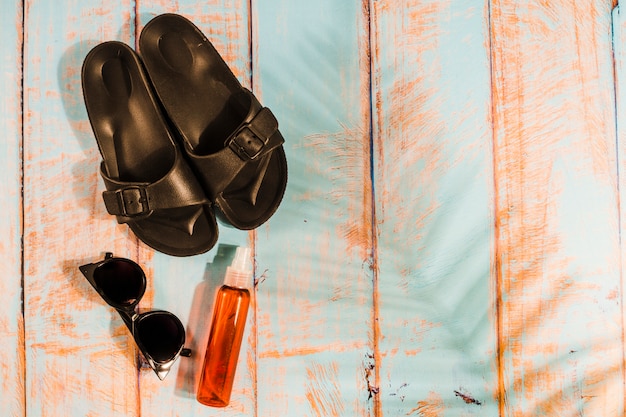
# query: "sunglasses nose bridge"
129,317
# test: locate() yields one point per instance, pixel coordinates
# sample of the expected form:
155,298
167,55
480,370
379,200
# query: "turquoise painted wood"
12,401
78,357
558,245
450,242
315,340
619,50
434,208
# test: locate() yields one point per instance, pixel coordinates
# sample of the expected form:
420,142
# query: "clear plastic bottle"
227,327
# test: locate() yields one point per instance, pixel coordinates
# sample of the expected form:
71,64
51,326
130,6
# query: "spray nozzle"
240,261
239,273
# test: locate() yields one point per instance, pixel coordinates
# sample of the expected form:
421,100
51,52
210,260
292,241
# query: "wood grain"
80,359
449,243
434,208
560,336
12,399
314,305
618,24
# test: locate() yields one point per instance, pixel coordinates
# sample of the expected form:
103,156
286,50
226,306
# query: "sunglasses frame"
132,318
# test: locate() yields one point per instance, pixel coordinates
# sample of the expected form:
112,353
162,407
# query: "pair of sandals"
182,142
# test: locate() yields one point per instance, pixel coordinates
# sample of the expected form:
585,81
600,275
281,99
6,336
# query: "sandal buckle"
249,141
246,143
133,201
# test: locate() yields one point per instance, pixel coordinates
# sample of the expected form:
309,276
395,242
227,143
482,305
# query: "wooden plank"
434,208
619,55
560,340
314,257
12,400
186,286
80,359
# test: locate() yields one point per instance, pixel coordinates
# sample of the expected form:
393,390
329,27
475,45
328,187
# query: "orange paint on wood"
411,114
349,152
324,390
65,225
306,351
432,147
432,406
543,52
12,340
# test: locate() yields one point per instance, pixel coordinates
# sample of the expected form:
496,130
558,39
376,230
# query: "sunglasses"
159,334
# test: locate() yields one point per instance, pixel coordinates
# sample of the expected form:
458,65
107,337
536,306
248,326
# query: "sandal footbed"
196,88
136,145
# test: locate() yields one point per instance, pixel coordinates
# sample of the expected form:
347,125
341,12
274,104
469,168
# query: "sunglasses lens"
121,281
161,334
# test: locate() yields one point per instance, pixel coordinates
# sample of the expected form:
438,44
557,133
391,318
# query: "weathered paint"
12,401
449,243
560,335
434,207
315,329
79,358
619,53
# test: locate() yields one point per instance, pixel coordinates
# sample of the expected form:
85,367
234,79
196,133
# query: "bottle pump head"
239,273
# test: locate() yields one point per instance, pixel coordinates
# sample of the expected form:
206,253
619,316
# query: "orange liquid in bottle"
222,353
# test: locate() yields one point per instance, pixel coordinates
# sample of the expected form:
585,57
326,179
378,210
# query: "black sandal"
149,184
232,142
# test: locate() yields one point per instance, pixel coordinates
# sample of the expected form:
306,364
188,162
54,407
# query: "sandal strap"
131,201
255,137
251,139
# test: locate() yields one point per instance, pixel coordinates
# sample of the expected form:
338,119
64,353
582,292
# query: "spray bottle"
227,327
